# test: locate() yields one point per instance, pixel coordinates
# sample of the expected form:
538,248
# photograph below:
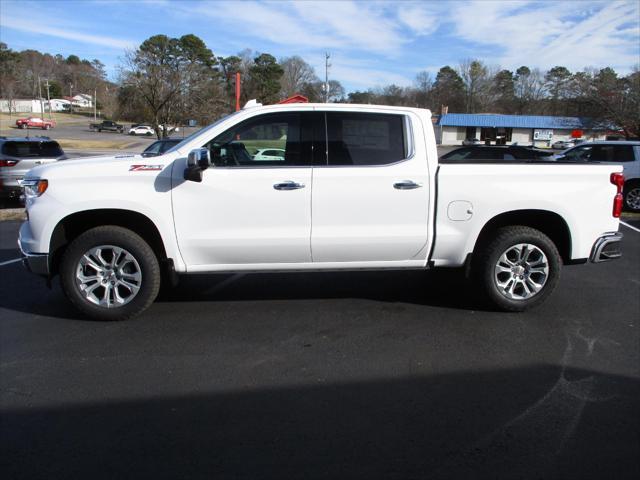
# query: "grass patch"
97,144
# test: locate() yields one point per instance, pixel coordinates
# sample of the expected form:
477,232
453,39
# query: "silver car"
18,155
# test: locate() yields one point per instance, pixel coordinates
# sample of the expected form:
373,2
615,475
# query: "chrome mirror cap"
199,157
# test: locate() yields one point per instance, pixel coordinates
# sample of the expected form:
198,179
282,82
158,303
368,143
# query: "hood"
101,166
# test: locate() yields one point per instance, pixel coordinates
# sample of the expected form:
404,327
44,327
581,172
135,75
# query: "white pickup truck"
355,187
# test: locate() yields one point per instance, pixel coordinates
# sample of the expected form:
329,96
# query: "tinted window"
365,138
612,153
579,154
32,149
166,145
459,154
240,145
155,147
487,154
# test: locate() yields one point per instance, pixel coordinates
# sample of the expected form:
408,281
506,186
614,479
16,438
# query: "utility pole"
70,99
326,76
40,96
95,104
48,97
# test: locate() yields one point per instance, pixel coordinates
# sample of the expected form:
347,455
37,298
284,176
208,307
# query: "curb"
8,214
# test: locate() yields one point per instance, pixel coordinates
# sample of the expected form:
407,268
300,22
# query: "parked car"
470,141
564,144
269,154
491,153
160,146
107,126
18,155
142,130
115,229
35,122
613,151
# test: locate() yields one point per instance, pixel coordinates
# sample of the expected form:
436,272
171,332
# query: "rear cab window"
48,149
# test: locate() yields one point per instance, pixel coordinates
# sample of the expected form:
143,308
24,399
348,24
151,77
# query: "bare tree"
296,74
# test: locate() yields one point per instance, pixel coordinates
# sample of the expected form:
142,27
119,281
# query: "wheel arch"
73,225
550,223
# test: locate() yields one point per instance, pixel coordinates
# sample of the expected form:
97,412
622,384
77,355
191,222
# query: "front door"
370,198
251,209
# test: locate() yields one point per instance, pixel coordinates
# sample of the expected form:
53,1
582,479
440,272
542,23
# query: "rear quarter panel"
581,194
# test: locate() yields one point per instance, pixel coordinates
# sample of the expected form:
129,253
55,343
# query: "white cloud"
381,28
68,34
420,20
571,34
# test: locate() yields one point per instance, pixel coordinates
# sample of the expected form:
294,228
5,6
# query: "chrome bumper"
37,263
606,248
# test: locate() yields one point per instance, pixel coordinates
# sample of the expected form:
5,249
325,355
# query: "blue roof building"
539,130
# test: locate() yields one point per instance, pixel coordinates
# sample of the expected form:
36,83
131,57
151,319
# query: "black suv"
504,153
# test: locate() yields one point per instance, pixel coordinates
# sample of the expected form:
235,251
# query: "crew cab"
35,122
107,125
358,187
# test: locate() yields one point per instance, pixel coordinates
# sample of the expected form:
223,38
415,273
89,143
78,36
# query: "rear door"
370,192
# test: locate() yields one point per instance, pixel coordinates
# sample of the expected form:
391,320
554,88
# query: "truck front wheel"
517,268
632,196
110,273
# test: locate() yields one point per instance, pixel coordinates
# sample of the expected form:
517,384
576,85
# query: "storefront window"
499,135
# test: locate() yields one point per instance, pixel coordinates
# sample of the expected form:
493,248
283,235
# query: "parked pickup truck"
107,125
357,187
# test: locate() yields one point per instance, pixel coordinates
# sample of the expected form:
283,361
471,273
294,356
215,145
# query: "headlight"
34,187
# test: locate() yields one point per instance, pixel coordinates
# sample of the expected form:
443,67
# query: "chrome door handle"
406,185
288,185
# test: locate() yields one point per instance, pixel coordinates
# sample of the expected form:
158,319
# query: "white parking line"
8,262
630,226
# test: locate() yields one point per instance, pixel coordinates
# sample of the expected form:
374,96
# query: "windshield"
186,140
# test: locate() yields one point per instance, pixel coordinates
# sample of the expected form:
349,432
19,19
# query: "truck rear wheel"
110,273
517,268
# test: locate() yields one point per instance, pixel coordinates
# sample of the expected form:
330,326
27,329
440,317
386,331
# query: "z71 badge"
144,168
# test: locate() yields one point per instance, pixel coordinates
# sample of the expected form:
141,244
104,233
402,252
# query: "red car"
35,122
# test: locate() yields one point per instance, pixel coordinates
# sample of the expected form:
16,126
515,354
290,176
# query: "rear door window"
365,139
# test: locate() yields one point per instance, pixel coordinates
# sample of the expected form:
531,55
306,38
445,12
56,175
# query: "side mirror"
199,157
198,160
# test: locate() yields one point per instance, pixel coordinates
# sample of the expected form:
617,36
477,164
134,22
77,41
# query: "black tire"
489,253
631,195
119,237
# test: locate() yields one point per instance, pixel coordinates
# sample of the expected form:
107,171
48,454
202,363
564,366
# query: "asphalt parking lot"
396,375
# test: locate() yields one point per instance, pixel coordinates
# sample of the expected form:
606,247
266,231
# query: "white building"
538,130
58,105
81,100
20,106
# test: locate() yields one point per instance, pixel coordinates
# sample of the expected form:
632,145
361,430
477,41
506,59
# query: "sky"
371,43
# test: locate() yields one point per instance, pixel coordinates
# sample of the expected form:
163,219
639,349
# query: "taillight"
617,179
7,163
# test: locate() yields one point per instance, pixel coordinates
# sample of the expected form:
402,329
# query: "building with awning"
497,129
